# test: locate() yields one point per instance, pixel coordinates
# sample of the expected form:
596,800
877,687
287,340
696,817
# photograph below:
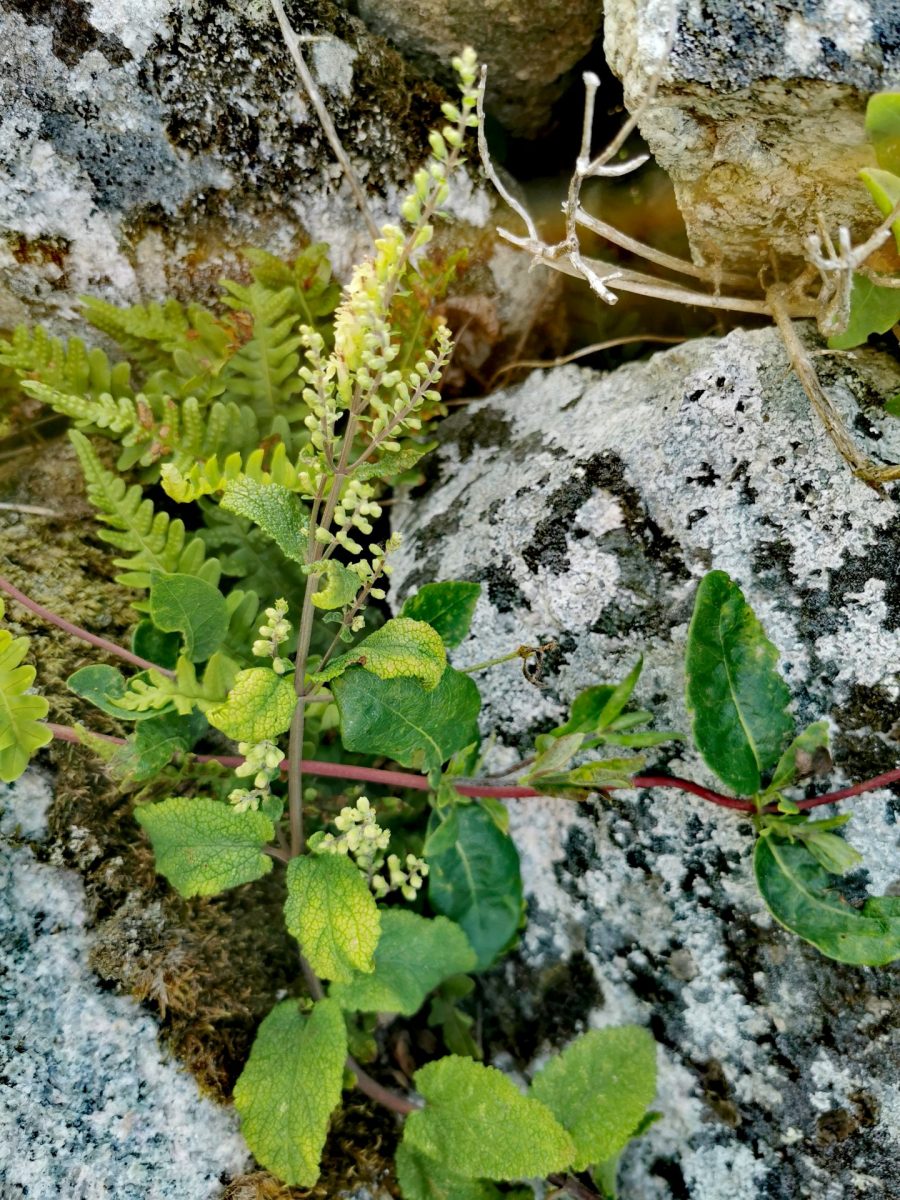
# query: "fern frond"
208,478
185,692
263,372
21,731
32,354
152,540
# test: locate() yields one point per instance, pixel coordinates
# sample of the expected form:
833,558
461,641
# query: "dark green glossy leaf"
735,695
192,607
447,607
873,309
806,899
398,718
154,743
157,647
474,878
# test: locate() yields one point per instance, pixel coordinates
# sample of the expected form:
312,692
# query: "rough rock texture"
529,49
144,142
90,1106
759,115
589,506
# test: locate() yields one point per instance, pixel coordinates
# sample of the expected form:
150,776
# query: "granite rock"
90,1105
589,506
759,113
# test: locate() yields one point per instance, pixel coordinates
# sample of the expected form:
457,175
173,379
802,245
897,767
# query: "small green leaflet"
21,731
455,1024
884,188
401,648
447,607
260,705
883,128
873,309
804,897
290,1087
341,585
393,462
414,955
599,1089
476,1124
800,757
735,695
154,742
104,686
474,878
421,1178
399,719
151,691
203,847
552,776
274,509
192,607
332,914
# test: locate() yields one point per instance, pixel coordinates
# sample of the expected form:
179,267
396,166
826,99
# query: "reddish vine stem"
82,634
419,783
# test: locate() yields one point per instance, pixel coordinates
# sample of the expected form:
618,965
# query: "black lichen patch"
486,429
73,35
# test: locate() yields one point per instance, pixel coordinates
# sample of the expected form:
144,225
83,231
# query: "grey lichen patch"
633,486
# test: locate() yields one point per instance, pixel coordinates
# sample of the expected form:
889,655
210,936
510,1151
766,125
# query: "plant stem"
476,789
489,662
573,1187
82,634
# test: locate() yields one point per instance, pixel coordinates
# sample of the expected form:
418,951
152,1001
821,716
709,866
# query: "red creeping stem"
418,783
82,634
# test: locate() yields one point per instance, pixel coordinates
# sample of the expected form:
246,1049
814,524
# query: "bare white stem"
488,165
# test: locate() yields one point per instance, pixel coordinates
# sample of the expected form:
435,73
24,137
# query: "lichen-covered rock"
143,143
589,506
530,49
759,114
90,1106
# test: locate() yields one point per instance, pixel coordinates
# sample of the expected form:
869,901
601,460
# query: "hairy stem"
82,634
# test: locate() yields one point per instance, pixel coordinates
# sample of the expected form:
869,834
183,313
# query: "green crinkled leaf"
290,1087
799,757
735,695
274,509
333,915
341,586
474,878
104,687
21,731
393,462
401,648
599,1089
805,898
478,1125
447,607
421,1178
260,705
192,607
154,743
203,847
399,719
873,309
414,955
883,128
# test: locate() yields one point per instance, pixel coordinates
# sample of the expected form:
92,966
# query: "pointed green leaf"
735,695
883,128
341,586
332,914
586,710
192,607
203,847
394,462
401,648
414,955
290,1087
447,607
873,309
599,1089
274,509
421,1178
474,878
21,731
620,696
799,759
399,719
260,705
804,897
478,1125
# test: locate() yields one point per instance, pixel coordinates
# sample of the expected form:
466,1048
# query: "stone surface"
529,50
759,114
143,144
90,1106
589,506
